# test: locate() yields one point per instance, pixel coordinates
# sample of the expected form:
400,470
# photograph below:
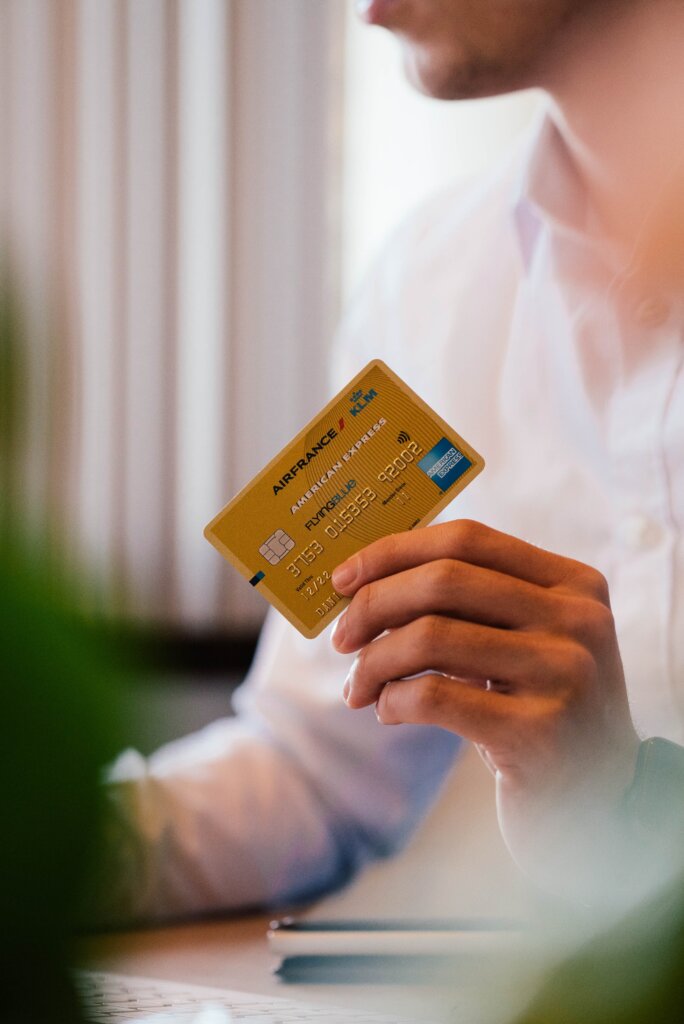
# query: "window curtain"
169,225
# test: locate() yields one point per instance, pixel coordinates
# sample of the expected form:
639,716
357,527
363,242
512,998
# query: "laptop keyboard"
112,998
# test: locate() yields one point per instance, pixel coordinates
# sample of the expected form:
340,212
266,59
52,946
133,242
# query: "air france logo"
360,400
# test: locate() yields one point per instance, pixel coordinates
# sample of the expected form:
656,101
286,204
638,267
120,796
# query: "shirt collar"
549,191
550,199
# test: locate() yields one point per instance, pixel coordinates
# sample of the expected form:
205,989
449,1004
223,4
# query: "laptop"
118,999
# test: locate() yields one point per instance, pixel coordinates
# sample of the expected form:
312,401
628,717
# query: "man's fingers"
465,541
478,715
438,644
444,587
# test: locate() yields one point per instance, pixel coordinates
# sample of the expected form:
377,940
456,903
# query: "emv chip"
276,547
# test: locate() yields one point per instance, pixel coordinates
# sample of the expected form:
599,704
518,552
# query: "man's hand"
514,648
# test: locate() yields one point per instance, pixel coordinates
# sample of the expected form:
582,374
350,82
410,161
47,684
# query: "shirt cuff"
654,804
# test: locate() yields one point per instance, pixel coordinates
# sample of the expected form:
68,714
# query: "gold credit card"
377,460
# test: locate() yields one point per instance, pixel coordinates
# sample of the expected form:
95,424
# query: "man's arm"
277,805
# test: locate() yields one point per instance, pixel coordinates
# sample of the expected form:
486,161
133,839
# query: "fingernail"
344,575
347,690
339,631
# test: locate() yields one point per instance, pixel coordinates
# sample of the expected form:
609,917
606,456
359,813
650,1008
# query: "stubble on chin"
464,79
469,64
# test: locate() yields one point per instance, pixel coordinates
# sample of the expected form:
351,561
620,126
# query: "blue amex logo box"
444,464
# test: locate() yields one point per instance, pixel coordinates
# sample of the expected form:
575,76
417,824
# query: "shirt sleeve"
654,810
279,804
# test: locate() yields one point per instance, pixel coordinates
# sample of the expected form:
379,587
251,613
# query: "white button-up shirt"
504,311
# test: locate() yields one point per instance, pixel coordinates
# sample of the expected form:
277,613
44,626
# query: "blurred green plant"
59,725
633,974
11,404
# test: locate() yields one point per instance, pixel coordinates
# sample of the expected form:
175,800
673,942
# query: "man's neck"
617,90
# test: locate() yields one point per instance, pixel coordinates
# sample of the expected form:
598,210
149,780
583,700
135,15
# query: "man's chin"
456,81
428,76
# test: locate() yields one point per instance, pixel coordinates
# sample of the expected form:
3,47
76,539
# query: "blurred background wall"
190,191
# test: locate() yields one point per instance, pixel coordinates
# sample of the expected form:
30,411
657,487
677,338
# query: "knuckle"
465,534
601,623
568,616
576,664
428,631
427,697
597,585
441,575
586,620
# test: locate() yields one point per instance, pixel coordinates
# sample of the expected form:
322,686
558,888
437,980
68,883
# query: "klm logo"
360,401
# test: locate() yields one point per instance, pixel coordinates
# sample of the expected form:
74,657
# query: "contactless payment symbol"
276,546
444,464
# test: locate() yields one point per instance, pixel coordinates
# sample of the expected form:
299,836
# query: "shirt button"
638,532
652,312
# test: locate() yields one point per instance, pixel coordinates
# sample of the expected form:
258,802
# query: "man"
541,313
